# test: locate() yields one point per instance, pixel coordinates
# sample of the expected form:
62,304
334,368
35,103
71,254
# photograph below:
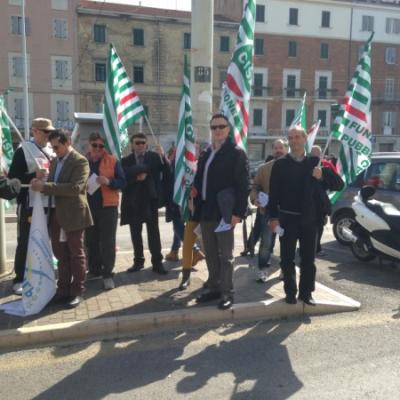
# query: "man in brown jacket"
69,217
261,185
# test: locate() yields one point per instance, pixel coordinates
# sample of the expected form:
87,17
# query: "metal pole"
3,255
26,99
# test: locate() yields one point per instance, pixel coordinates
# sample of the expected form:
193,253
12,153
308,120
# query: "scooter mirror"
367,192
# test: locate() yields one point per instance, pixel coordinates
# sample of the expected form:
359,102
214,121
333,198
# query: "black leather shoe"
308,300
208,296
135,268
74,302
290,299
159,269
225,303
58,299
185,279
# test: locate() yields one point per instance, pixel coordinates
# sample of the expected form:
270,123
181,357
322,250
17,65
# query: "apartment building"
313,46
52,59
151,43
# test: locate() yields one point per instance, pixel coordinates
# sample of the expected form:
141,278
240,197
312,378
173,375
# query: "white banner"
39,285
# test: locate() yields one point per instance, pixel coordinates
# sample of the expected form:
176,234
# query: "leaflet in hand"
262,199
92,184
223,226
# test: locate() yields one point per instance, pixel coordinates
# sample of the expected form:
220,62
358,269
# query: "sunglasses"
139,142
97,145
215,127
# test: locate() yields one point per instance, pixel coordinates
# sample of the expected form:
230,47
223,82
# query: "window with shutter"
18,66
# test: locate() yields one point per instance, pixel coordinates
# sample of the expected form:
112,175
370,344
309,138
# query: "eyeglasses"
215,127
97,145
139,142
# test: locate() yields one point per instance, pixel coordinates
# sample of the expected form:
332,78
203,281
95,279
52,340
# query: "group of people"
81,199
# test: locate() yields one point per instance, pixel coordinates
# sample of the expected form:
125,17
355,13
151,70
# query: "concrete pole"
201,65
3,255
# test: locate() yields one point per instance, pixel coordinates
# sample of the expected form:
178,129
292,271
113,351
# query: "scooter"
376,230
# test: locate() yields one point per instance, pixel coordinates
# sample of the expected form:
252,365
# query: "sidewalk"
145,301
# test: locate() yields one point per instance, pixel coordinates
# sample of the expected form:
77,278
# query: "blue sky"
172,4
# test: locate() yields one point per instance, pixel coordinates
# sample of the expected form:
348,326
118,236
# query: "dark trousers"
153,238
306,234
179,228
71,259
255,232
218,248
22,242
319,237
264,251
100,241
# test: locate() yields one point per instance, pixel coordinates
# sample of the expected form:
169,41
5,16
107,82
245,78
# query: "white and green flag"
185,158
312,135
7,150
236,89
122,106
353,123
300,118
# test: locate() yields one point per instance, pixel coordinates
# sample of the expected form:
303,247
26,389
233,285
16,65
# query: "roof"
102,6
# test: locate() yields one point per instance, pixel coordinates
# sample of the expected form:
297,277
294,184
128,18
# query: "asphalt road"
345,356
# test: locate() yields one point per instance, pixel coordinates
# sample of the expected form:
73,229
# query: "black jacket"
293,189
9,188
141,197
228,169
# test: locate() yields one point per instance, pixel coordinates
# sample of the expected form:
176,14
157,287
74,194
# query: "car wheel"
361,251
343,220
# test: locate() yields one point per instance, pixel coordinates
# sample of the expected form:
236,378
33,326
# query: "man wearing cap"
31,160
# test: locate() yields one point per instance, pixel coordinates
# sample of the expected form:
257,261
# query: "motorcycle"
376,229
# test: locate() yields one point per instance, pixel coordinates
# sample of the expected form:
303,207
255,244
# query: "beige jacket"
261,182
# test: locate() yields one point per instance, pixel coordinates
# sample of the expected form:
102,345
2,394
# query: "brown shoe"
172,256
198,255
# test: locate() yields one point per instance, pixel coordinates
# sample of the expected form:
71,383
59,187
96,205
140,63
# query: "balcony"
261,91
386,98
325,94
292,93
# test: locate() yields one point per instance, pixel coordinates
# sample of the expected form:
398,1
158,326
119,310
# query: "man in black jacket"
145,172
9,188
297,199
223,168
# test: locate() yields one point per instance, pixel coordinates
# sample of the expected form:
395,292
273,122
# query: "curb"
127,325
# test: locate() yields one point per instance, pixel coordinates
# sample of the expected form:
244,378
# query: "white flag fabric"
39,284
311,136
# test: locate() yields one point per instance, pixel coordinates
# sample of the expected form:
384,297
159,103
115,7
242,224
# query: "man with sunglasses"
100,238
222,170
145,172
69,216
31,160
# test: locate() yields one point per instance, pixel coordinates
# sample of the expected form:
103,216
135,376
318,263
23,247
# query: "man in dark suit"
222,170
9,188
69,217
145,172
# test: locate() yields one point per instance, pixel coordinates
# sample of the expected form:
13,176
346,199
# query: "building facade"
52,62
151,43
313,46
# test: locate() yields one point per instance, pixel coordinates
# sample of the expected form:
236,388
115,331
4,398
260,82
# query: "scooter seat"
386,211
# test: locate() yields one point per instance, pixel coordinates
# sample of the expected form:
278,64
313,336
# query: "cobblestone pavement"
141,292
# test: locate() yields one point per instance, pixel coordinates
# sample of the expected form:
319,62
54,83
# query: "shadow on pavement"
146,360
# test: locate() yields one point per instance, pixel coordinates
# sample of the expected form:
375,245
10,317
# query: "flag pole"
26,95
151,129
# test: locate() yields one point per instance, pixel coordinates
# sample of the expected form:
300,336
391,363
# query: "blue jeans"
264,251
